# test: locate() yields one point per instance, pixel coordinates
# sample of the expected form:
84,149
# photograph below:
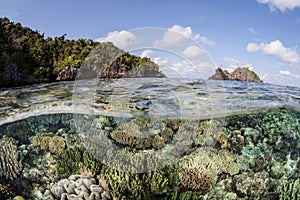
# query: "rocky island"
27,57
239,74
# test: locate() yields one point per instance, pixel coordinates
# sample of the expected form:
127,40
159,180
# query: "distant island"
239,74
27,57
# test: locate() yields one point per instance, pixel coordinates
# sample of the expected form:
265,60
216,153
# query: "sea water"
150,139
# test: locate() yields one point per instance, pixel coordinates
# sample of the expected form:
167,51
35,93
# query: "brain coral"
77,187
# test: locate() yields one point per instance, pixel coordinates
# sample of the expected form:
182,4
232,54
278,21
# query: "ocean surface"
153,97
150,138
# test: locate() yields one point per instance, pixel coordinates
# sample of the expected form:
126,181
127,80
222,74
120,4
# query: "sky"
186,36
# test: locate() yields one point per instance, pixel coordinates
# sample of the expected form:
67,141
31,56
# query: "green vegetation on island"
26,57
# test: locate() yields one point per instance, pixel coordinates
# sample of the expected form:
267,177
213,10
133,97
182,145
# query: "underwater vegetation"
247,156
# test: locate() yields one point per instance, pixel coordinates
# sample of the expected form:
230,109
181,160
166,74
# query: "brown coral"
200,170
10,166
6,191
45,141
236,141
193,179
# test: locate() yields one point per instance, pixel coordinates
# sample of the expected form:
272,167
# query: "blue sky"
260,34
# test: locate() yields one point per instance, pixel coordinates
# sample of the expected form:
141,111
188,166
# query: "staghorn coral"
150,185
76,160
10,166
45,141
77,187
289,190
199,170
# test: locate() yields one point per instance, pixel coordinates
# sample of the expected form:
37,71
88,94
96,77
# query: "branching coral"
150,185
290,190
75,160
199,171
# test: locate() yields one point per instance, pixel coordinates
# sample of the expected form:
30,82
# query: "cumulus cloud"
120,39
281,5
192,51
178,33
277,49
204,40
285,72
147,53
194,70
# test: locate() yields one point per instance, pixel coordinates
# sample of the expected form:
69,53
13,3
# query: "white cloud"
120,38
204,40
285,72
160,61
192,51
252,30
234,63
277,49
147,53
186,69
281,5
178,33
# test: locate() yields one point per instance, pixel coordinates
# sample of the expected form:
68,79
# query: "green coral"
190,195
150,185
290,190
73,160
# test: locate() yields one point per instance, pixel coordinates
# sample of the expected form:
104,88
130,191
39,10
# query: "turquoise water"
150,139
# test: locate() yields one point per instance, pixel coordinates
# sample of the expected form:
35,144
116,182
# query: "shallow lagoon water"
150,139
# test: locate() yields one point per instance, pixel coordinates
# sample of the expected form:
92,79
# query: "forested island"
27,57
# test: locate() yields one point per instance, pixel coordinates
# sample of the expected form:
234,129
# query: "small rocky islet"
246,156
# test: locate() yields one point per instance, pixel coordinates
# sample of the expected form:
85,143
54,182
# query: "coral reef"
210,134
252,186
236,141
140,133
289,190
6,191
199,170
75,160
77,187
151,185
10,166
47,141
20,131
